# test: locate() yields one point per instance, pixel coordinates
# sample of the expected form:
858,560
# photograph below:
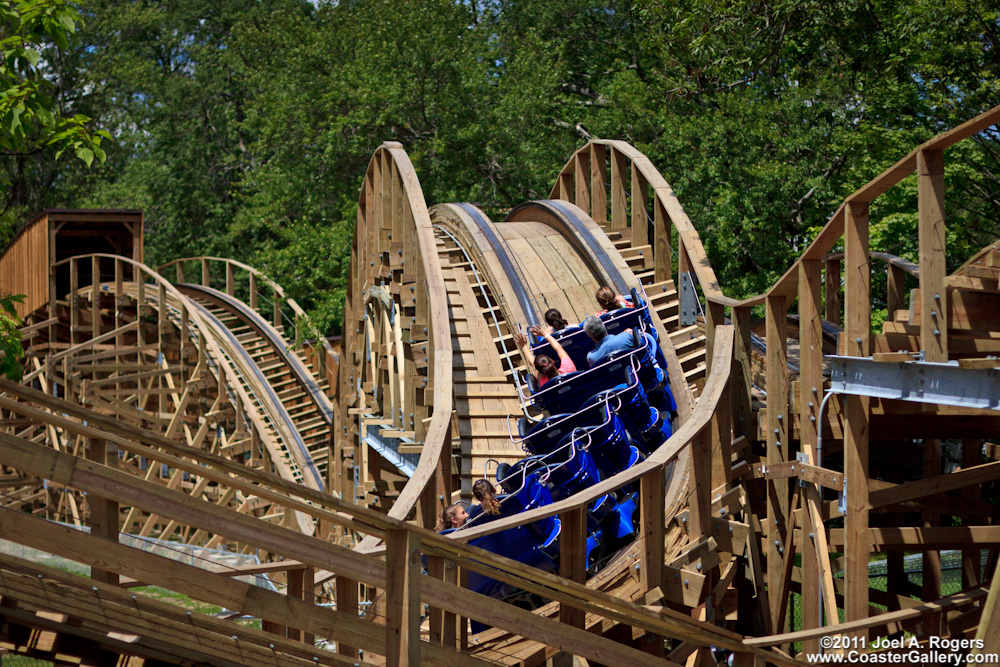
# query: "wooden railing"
803,282
302,327
656,221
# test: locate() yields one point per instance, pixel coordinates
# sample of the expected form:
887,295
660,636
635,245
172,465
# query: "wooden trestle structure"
164,427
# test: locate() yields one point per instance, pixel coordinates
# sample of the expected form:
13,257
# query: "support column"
811,388
103,512
652,514
857,330
402,584
573,560
933,319
347,602
777,451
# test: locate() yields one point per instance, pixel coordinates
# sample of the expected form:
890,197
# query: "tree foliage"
245,129
36,122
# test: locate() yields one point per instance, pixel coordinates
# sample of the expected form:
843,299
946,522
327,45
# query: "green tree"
36,123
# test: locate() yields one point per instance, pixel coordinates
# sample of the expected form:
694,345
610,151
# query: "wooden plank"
857,334
640,206
933,261
573,559
403,598
811,381
920,488
778,447
619,173
598,179
945,604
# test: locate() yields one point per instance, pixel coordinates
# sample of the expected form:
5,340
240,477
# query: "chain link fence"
878,574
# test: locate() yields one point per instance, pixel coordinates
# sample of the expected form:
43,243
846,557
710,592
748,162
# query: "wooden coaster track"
177,412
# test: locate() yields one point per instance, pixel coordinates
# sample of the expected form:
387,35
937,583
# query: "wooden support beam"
811,381
778,448
598,166
971,562
857,332
103,512
933,262
402,584
346,590
573,559
832,292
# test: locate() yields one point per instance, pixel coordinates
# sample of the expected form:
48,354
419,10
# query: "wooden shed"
55,234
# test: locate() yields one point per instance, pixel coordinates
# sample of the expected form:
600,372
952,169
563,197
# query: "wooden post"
971,557
140,306
619,172
573,559
253,291
205,273
857,329
277,308
777,450
740,381
300,586
652,512
811,383
715,314
598,163
701,481
895,293
640,206
832,292
933,267
662,253
103,512
451,632
933,318
74,304
95,297
582,195
346,591
402,583
931,576
230,279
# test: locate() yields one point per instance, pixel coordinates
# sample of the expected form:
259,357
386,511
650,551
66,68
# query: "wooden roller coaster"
191,474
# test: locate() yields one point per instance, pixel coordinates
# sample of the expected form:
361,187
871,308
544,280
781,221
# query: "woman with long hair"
487,497
609,301
555,319
544,367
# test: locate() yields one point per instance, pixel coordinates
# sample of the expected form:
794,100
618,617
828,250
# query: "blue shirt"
609,344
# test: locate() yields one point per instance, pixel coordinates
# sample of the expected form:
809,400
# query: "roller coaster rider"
606,344
542,366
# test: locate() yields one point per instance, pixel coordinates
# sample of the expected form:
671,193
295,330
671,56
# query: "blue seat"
515,543
608,441
620,523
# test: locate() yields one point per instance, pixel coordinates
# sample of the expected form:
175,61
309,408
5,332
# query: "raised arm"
546,333
522,344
